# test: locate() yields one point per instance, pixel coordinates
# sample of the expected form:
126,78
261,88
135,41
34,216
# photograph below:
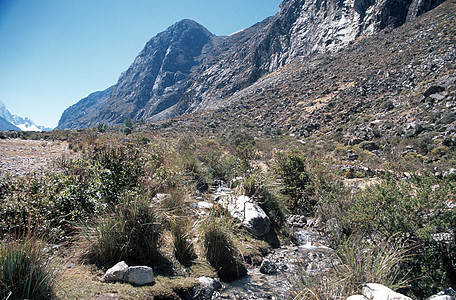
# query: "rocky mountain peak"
186,69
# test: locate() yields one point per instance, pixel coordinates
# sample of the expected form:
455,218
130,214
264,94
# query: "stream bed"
308,254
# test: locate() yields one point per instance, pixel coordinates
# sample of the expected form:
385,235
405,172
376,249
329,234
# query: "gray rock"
447,294
249,213
207,288
116,273
369,146
268,267
375,291
139,275
160,198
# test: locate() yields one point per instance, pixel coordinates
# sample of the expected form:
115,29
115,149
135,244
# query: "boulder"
369,146
375,291
139,275
158,198
447,294
116,273
268,267
249,213
206,289
357,297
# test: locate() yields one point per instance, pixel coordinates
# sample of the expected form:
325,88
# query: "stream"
308,254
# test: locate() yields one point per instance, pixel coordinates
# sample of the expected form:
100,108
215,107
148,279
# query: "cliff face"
153,82
187,69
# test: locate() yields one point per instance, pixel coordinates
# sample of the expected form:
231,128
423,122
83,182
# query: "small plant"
127,126
25,273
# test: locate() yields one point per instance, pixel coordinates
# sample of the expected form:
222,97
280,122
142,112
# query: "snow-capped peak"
23,123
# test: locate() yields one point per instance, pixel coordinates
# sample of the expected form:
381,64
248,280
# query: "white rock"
249,213
375,291
447,294
158,198
357,297
139,275
116,273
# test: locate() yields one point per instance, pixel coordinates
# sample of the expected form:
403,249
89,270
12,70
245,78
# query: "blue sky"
55,52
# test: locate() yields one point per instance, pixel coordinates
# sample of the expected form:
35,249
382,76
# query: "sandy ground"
25,157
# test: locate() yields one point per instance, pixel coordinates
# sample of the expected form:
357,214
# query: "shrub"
440,151
417,209
292,170
257,187
25,273
131,231
119,169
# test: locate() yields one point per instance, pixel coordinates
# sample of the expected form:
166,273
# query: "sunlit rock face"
186,69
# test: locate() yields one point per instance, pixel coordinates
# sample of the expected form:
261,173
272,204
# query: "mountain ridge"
221,66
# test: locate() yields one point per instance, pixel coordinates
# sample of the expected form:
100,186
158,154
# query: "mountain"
20,123
393,93
154,82
187,69
5,125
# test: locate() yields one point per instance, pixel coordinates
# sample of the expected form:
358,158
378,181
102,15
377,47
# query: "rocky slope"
390,94
187,69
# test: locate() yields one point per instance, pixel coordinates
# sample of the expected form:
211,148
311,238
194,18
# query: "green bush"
51,204
25,273
292,170
119,169
257,187
417,209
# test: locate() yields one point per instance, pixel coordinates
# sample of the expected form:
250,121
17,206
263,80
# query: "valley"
305,157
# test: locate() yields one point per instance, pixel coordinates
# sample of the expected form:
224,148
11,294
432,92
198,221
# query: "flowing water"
309,255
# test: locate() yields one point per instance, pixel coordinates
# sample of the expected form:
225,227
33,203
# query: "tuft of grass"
220,250
131,231
25,273
181,230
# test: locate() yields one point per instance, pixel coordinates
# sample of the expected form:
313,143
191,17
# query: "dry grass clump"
131,231
220,248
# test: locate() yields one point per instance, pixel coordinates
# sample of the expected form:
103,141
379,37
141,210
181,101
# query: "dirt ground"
25,157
